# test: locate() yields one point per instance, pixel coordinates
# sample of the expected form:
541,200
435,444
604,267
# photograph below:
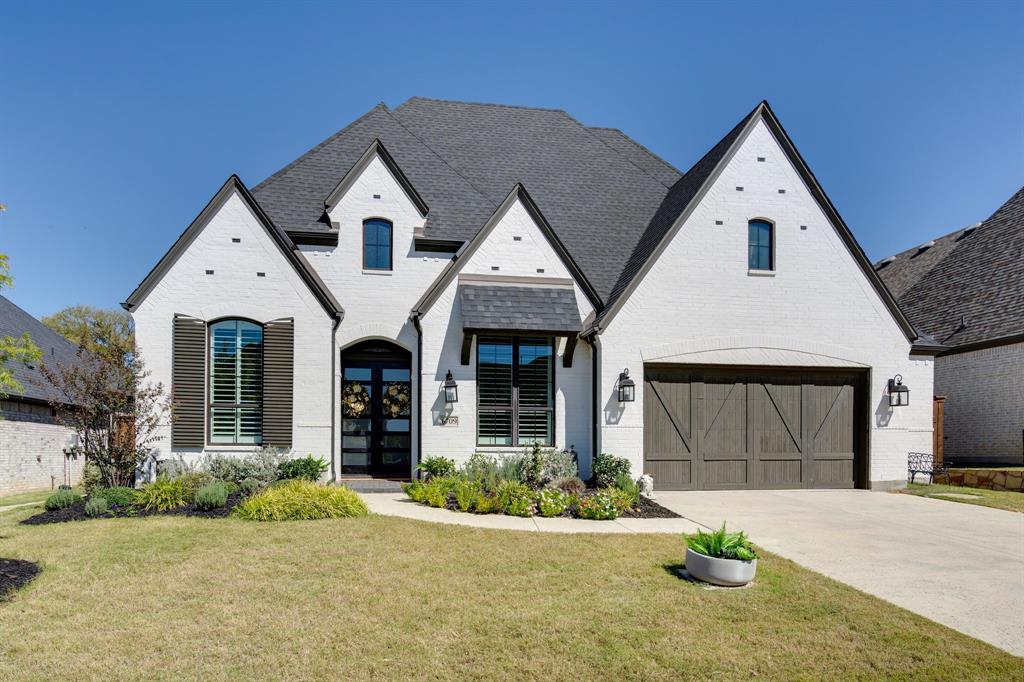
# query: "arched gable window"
760,245
376,244
236,382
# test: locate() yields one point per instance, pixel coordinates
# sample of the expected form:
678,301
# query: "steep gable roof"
55,349
968,288
282,240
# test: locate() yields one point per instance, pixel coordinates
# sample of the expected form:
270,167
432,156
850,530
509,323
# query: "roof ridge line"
443,160
642,146
283,171
590,130
482,104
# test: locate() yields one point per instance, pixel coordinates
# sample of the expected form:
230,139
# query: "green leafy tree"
107,333
13,350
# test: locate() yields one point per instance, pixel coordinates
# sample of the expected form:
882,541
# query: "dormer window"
376,244
760,245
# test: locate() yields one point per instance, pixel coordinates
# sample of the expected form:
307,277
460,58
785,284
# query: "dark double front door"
376,412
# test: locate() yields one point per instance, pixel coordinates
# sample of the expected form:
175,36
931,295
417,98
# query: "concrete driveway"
957,564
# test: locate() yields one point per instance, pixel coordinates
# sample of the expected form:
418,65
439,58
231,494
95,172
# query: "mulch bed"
649,509
76,512
15,574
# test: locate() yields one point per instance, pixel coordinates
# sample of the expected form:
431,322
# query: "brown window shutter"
278,381
188,382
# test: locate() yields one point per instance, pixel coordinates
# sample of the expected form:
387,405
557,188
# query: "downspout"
419,387
595,405
334,405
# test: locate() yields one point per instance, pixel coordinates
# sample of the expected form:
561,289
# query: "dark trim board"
743,427
982,345
376,149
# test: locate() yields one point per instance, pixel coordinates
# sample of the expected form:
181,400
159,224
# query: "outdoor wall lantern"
627,389
451,389
899,395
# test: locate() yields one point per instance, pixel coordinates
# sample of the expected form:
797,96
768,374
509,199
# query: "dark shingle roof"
975,274
504,307
55,349
462,158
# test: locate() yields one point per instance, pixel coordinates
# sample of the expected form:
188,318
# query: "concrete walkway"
392,504
958,564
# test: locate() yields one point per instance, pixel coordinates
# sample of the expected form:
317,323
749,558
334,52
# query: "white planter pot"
726,572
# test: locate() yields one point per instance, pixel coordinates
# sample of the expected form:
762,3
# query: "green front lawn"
24,498
377,597
997,499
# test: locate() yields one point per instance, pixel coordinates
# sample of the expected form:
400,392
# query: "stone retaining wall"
990,479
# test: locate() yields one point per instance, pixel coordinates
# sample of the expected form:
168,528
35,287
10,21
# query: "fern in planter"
722,545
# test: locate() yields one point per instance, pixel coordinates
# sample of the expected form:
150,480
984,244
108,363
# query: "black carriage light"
899,395
451,389
627,389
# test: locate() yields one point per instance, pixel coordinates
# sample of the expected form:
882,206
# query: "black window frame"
770,245
391,244
515,408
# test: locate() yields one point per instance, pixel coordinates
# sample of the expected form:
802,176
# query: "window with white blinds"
515,390
236,382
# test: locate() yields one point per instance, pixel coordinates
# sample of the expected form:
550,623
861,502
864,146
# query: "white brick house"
543,265
965,289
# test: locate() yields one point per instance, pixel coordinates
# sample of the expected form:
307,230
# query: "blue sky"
119,121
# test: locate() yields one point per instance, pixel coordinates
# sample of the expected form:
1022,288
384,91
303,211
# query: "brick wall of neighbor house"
32,449
984,392
442,343
235,290
819,308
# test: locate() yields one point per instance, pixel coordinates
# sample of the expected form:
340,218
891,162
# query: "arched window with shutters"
236,382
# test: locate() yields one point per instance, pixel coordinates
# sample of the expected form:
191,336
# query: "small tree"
97,330
13,350
113,408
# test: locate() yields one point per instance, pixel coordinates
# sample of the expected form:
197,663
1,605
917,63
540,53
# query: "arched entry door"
376,410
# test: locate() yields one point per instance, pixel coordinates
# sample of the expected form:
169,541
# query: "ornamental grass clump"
162,495
309,468
299,500
465,494
719,544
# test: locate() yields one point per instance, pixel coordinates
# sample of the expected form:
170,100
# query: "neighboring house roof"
56,350
283,241
968,288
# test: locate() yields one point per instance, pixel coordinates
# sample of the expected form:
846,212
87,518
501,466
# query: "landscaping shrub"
607,468
162,494
416,490
553,502
299,500
628,488
176,467
249,486
486,504
92,478
309,468
510,468
96,506
573,486
483,469
465,494
120,496
212,496
437,490
722,545
62,499
532,468
559,465
513,496
600,507
434,467
261,466
192,482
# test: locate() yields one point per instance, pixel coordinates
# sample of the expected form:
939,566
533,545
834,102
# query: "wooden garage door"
707,429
